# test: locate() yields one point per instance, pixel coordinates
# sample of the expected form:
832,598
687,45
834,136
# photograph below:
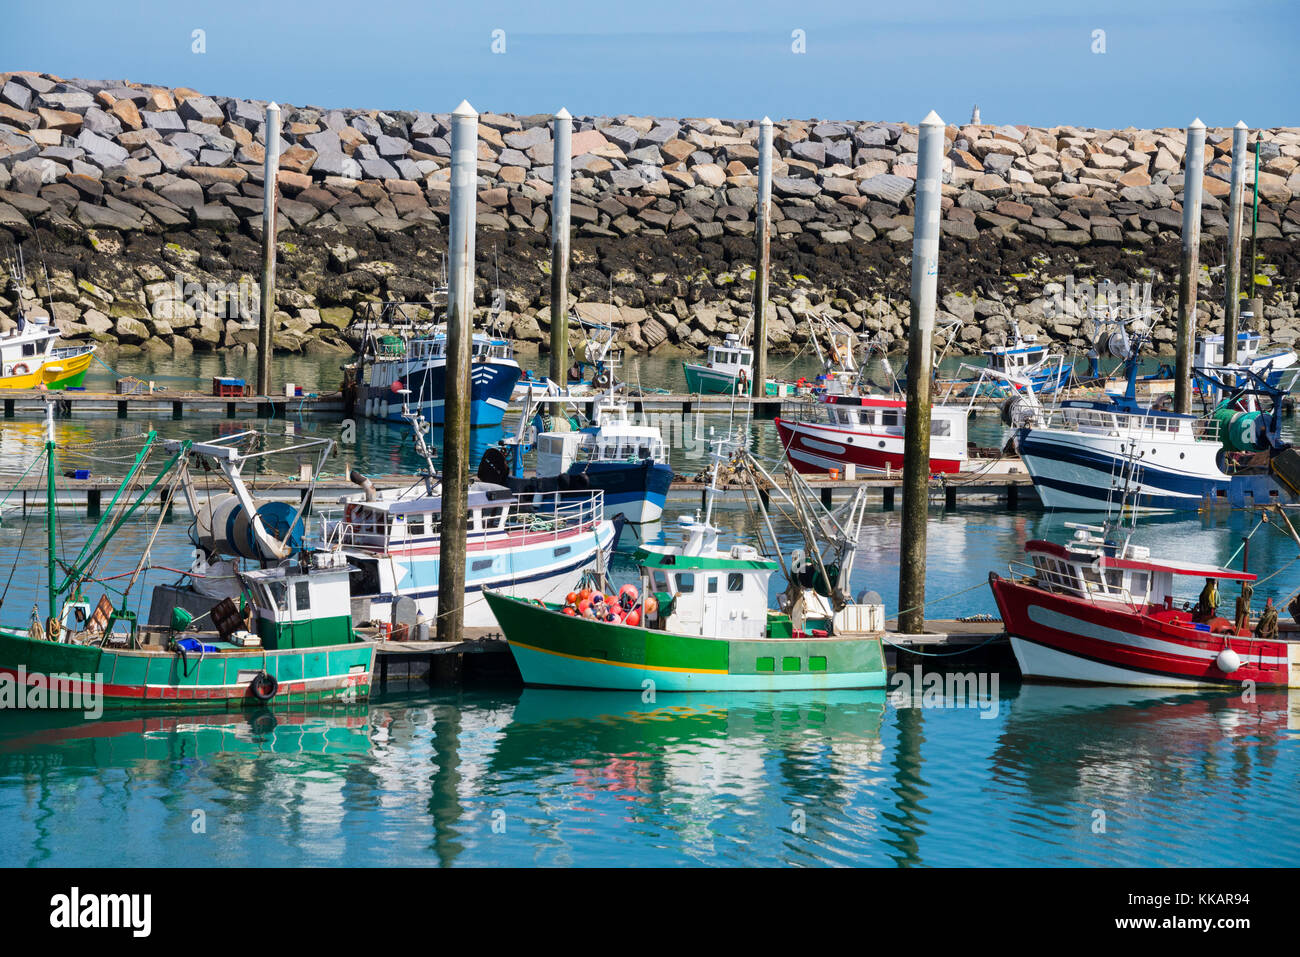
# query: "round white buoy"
1228,661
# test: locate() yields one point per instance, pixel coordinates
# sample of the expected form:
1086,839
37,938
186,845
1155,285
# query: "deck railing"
553,514
1118,424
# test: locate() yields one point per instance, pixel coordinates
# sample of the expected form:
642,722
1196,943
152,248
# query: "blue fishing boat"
398,352
627,462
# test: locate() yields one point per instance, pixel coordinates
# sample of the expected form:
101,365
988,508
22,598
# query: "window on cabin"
301,596
735,582
685,582
889,417
29,348
713,585
941,427
490,518
660,581
1138,584
415,526
279,595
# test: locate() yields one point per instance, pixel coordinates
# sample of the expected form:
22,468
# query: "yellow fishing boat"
30,358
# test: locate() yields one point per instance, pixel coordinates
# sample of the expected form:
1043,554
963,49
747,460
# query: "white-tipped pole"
266,328
763,236
1193,170
920,362
561,177
1232,269
456,394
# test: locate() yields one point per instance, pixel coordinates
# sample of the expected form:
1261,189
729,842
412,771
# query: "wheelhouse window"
301,596
735,582
941,427
685,582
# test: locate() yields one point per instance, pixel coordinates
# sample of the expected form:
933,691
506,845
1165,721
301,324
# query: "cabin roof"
671,560
1186,569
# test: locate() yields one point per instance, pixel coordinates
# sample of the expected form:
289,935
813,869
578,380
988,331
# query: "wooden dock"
1013,488
178,404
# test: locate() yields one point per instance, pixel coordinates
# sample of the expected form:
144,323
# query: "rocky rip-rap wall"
144,204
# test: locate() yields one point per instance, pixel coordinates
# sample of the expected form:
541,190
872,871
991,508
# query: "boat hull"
57,373
1064,638
540,566
1083,471
492,383
143,679
814,448
635,491
702,380
557,650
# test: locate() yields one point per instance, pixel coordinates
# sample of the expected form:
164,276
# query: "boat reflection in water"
125,740
1113,773
716,770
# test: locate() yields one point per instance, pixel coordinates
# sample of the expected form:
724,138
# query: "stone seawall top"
143,194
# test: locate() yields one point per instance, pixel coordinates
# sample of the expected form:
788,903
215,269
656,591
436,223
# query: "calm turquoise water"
562,778
556,778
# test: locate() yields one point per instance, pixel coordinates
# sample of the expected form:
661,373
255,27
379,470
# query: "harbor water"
1015,775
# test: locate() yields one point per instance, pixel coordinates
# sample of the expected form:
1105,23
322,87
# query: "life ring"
601,381
264,686
19,368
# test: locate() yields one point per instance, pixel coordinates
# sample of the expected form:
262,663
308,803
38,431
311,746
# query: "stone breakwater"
144,204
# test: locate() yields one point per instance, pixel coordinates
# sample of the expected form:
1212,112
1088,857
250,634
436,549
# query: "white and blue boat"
1080,453
528,546
399,354
1277,367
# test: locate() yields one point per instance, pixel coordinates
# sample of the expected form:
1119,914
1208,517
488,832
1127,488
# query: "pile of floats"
625,608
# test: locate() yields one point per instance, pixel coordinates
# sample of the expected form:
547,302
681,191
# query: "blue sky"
1022,61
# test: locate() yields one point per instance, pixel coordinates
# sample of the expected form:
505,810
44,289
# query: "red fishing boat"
1102,610
867,432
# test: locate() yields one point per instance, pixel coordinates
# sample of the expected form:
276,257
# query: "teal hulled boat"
704,623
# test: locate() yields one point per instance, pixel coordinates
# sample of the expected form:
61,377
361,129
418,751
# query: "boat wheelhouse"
1023,358
516,544
30,358
1103,610
866,432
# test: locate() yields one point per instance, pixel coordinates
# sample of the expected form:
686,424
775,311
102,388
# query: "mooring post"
1232,269
920,360
1254,228
1188,273
763,236
266,328
460,304
561,178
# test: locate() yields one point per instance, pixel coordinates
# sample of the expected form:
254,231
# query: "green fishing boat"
701,621
291,641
